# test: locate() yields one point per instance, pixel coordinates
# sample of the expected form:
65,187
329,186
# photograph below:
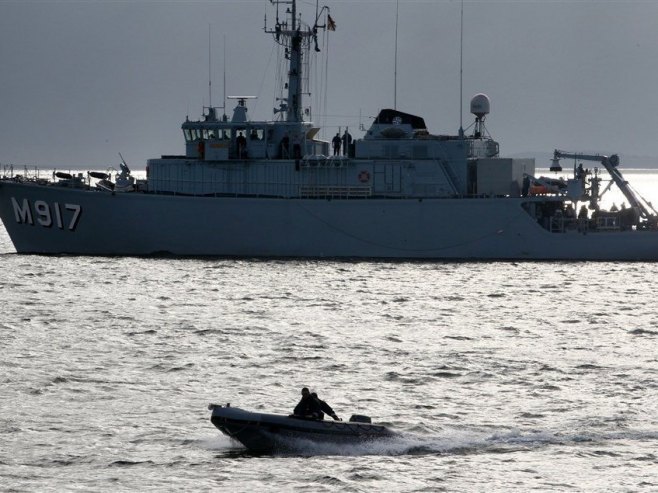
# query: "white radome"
480,105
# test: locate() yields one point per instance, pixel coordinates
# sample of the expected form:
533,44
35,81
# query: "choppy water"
500,376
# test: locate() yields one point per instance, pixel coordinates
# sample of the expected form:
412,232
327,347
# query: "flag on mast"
331,24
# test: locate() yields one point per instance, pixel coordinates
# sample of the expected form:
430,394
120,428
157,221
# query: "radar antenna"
480,107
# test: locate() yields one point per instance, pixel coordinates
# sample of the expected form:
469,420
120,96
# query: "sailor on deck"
296,146
347,142
336,141
241,142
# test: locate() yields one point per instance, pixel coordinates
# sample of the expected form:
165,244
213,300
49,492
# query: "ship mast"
295,75
290,34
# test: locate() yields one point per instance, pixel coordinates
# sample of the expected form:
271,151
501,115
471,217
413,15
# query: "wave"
643,332
461,442
448,442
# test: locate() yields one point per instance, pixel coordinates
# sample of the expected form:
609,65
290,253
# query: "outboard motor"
360,418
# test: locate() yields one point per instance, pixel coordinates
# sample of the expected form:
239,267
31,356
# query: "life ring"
364,176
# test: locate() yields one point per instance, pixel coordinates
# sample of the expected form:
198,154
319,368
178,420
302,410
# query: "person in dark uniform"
336,142
347,142
285,146
325,408
582,213
308,407
241,141
296,146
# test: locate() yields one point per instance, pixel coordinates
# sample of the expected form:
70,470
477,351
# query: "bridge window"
192,134
256,134
218,134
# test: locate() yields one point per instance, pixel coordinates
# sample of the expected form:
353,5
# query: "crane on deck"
610,163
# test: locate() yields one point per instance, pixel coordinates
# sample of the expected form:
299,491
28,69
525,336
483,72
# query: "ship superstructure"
275,188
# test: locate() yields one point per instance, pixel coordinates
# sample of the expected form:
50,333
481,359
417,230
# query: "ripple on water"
643,332
471,365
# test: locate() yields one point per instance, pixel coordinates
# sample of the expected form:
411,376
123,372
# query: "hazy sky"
81,81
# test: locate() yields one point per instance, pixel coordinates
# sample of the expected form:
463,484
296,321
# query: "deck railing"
315,191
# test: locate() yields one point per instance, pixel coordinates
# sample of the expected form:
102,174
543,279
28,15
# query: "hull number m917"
47,215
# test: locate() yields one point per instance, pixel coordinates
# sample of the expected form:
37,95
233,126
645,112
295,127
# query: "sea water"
498,376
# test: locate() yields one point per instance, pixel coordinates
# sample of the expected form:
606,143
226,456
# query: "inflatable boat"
266,433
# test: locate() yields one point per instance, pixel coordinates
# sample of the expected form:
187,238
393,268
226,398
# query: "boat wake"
448,442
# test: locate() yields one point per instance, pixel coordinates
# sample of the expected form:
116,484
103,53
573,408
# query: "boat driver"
308,407
325,408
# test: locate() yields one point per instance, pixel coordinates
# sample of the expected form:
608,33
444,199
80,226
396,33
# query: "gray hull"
57,220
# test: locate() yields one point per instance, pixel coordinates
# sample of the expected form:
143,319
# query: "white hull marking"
44,214
22,213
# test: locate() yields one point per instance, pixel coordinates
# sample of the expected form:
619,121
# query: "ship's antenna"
395,69
224,104
209,71
295,39
461,73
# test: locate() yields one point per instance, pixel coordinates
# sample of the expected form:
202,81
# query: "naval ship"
274,188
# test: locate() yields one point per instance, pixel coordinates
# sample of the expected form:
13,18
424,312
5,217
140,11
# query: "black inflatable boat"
266,433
